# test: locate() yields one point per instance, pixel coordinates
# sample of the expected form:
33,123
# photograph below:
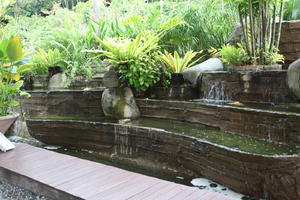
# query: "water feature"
233,141
217,91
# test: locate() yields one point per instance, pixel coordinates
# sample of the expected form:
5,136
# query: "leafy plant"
261,32
232,55
136,60
177,64
273,57
4,6
43,60
292,10
32,7
207,24
11,65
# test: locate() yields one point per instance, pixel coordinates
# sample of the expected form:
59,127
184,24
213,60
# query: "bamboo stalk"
273,27
252,31
260,32
279,25
244,29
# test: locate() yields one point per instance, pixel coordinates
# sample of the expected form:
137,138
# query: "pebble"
12,192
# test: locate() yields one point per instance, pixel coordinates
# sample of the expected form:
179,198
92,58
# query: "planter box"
254,67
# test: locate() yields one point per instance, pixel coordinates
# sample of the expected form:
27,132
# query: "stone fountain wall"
270,177
290,41
276,126
268,125
261,86
65,102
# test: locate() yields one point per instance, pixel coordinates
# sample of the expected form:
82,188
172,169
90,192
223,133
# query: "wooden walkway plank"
164,190
128,188
184,194
149,191
100,185
70,178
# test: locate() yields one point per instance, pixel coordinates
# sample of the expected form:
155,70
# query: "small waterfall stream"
216,92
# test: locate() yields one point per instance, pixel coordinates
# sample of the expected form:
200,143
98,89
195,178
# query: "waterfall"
216,92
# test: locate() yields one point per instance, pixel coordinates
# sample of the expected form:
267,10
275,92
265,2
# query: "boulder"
119,103
111,79
56,81
293,78
192,74
236,36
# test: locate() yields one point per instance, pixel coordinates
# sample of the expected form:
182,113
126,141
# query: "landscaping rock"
293,78
40,82
119,103
192,74
111,79
56,81
236,36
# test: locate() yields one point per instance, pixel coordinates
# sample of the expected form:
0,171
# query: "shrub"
136,60
43,60
12,63
232,55
177,64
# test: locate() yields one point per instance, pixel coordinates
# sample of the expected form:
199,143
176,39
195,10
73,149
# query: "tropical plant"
178,64
43,60
136,60
208,24
292,10
12,63
261,31
232,55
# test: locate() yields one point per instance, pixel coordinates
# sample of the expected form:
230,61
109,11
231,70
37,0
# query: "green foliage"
43,60
273,57
66,32
232,55
76,64
261,30
238,56
208,24
177,64
195,26
292,10
136,60
4,7
11,65
32,7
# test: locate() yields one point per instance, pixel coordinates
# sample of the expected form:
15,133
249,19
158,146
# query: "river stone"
56,81
191,74
119,103
111,79
293,78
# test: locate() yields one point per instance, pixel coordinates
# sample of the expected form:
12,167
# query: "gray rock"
119,103
236,36
56,81
293,78
111,79
191,74
40,82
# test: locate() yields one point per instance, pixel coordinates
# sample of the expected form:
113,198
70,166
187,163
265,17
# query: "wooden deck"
65,177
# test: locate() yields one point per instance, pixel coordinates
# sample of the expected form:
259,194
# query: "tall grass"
208,23
292,10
